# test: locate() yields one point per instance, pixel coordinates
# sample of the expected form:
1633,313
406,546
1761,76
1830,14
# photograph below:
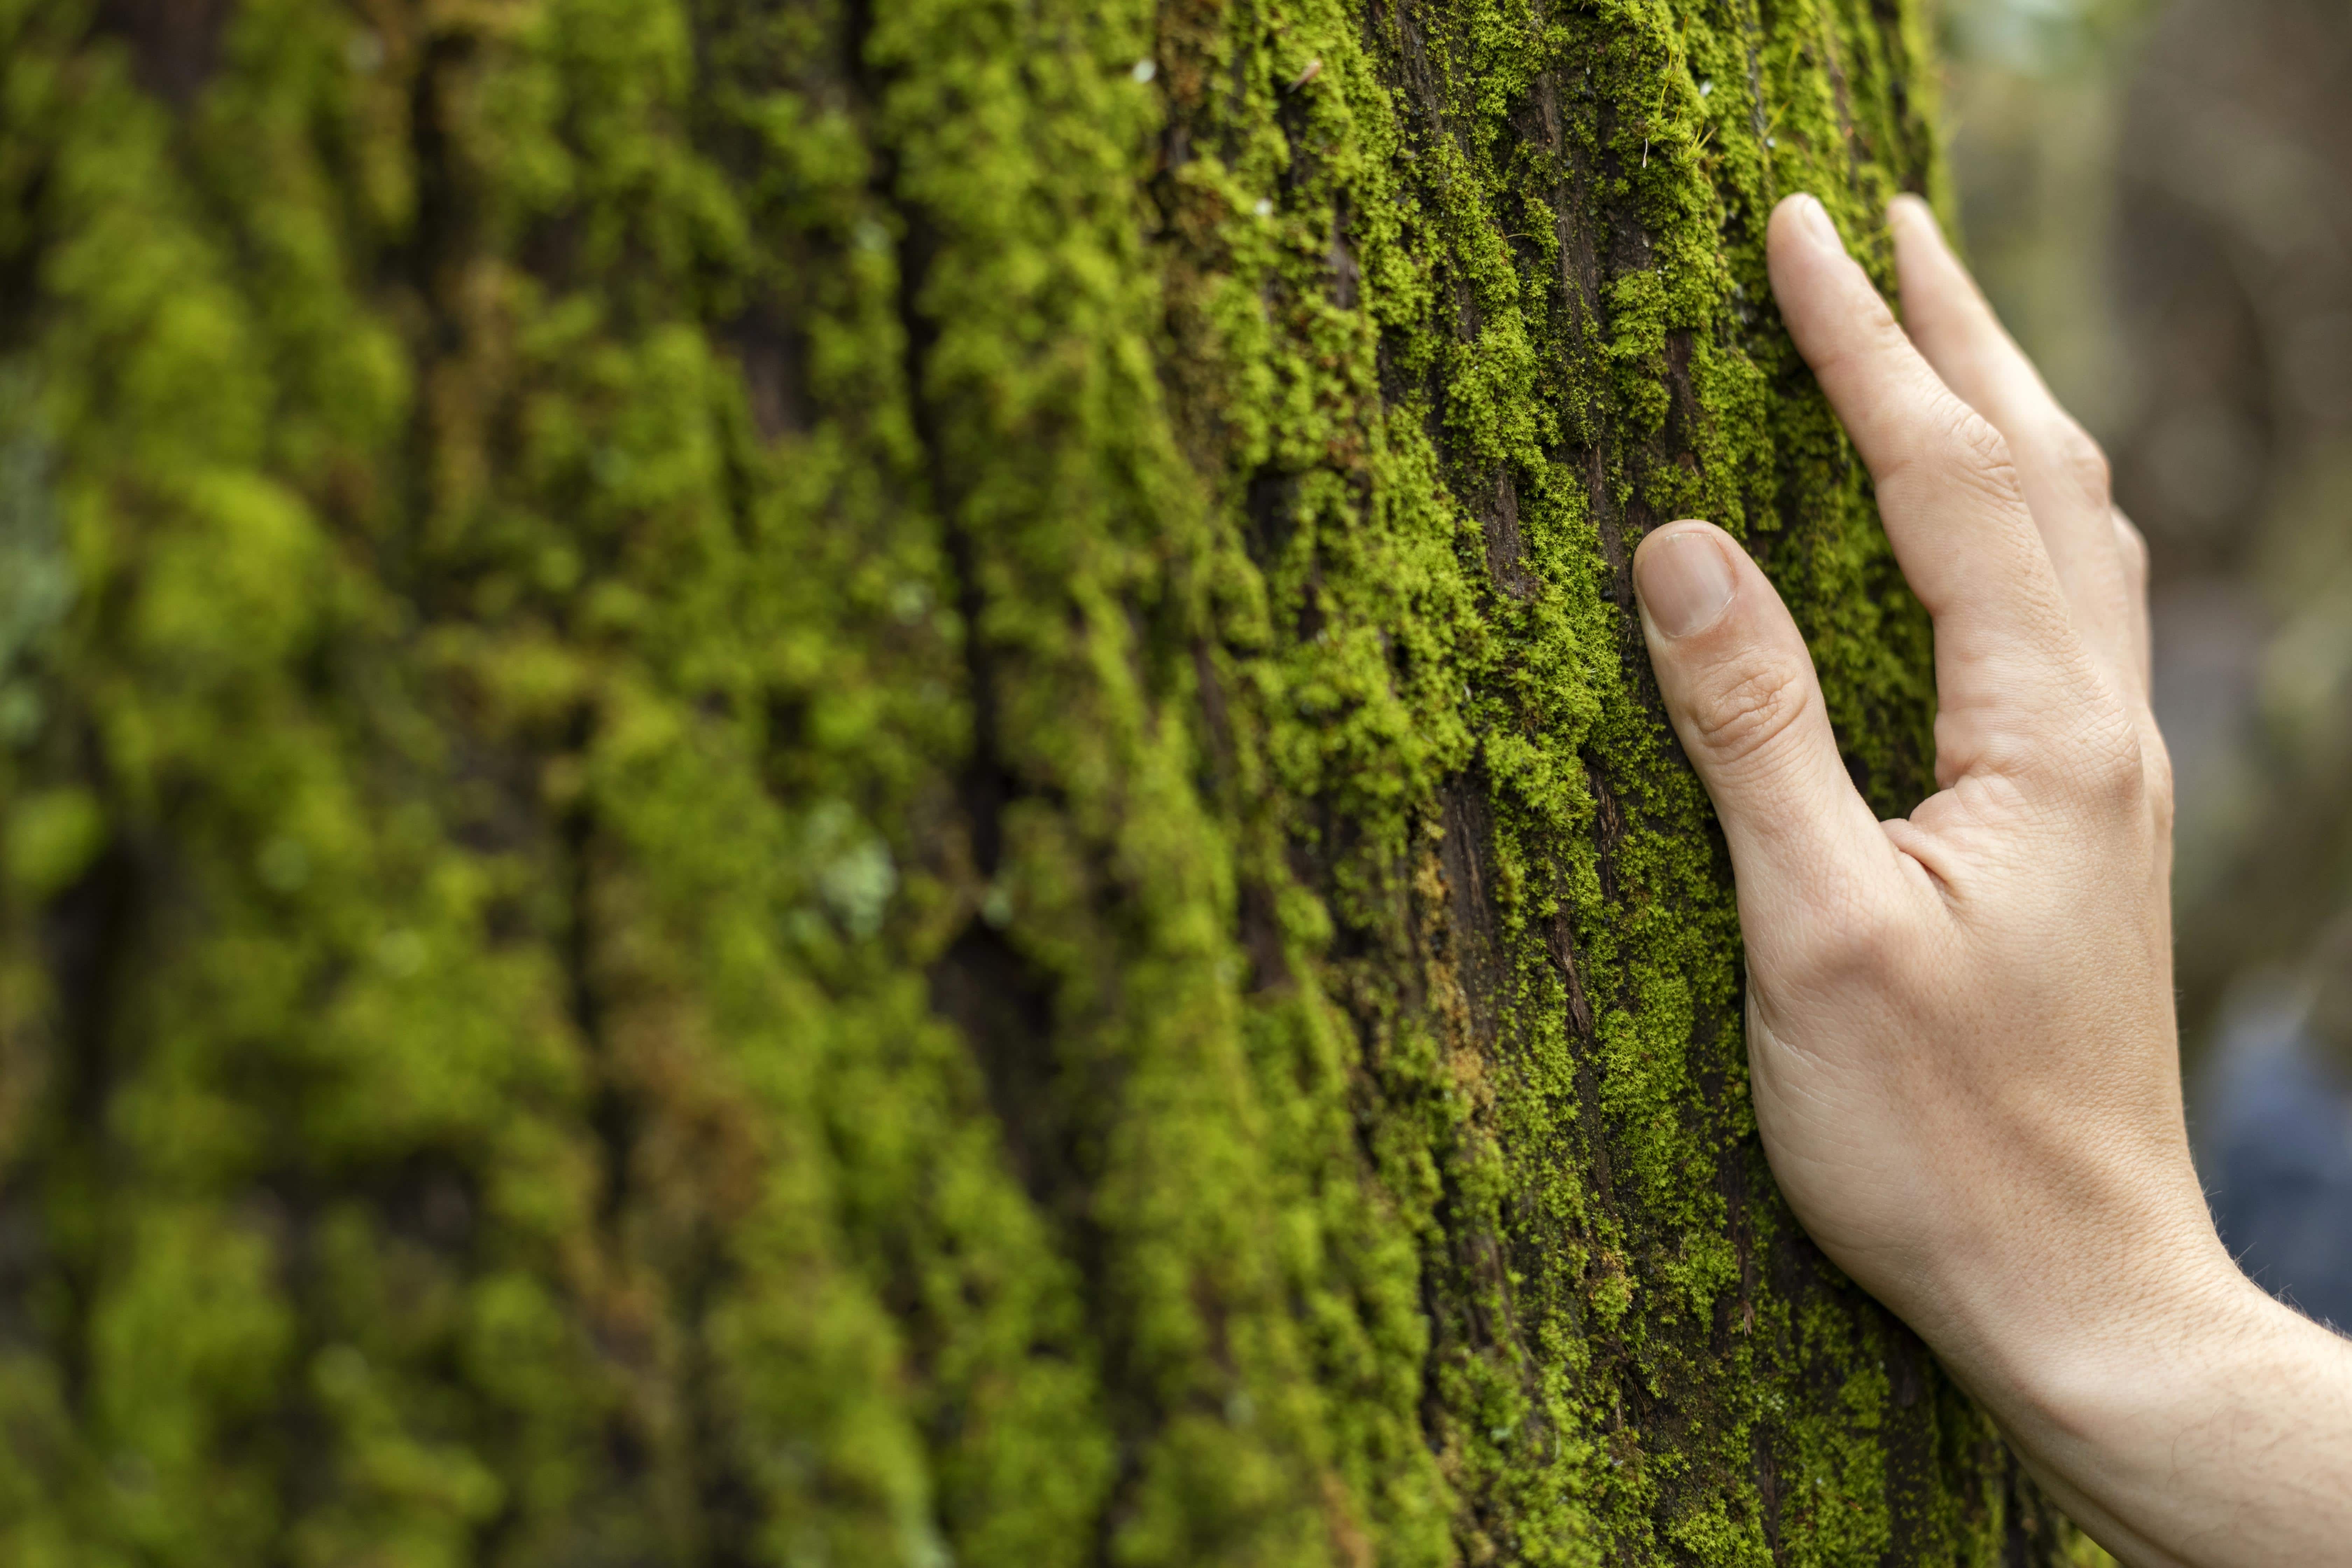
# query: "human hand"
1960,1031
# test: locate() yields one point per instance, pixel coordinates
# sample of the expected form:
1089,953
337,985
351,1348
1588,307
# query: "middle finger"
2060,468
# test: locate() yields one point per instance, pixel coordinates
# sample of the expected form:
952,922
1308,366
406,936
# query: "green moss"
814,783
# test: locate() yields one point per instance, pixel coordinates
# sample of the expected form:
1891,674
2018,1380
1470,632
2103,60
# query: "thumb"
1740,689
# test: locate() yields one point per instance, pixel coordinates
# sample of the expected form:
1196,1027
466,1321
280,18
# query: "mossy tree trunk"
867,782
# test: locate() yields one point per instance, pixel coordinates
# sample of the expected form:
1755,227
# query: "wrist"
2201,1424
2080,1332
2144,1350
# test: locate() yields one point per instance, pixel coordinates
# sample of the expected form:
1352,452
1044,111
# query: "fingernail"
1683,580
1816,219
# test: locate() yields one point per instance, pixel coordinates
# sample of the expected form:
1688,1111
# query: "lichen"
807,782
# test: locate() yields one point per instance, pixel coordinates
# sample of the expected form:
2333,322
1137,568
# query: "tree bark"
830,782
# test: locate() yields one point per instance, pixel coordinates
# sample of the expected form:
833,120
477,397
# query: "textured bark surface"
866,782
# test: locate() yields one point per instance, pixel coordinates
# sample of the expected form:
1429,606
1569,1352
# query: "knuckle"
2111,761
1959,449
2083,461
1979,454
1747,710
2121,771
1853,941
2134,546
2155,760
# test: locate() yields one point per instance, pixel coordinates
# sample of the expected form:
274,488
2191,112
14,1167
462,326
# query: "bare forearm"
2183,1417
2217,1433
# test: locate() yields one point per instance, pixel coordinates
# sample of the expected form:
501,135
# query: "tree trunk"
840,782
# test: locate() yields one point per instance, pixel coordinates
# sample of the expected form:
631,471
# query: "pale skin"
1961,1025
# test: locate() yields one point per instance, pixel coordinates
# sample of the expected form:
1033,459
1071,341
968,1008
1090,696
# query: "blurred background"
2158,196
